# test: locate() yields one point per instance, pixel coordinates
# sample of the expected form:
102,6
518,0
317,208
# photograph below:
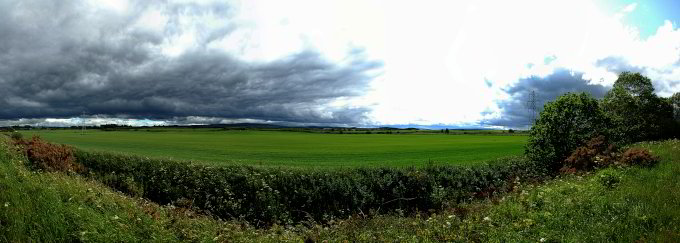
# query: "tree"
636,112
562,126
675,102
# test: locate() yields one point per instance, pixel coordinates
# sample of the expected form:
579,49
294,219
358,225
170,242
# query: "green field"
280,148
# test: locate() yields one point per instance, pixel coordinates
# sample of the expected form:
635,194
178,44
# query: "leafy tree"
636,112
564,125
675,102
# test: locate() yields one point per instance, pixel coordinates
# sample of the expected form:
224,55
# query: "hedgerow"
266,196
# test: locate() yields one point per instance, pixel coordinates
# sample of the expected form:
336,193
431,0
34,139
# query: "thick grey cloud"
618,65
515,112
61,59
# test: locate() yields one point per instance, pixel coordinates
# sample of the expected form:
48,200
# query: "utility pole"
531,105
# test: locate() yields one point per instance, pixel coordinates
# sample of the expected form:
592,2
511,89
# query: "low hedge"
265,195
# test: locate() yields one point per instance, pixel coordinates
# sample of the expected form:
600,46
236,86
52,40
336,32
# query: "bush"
16,136
264,196
49,157
609,179
564,125
638,157
597,153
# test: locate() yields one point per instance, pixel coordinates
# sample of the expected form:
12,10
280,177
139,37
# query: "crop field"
281,148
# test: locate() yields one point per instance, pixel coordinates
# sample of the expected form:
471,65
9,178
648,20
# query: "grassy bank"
277,148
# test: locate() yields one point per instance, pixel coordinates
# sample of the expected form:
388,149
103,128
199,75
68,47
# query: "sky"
456,64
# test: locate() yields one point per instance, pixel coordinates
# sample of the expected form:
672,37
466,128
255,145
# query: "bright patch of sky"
446,62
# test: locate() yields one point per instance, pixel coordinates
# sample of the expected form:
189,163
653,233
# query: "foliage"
47,156
16,136
609,179
639,157
675,102
562,126
636,112
266,196
596,153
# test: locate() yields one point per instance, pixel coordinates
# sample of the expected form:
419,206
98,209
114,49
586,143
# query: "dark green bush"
609,180
265,196
16,136
564,125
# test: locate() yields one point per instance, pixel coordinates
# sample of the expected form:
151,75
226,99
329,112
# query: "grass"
54,207
641,205
278,148
610,205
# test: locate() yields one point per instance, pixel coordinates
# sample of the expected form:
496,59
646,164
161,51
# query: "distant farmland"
281,148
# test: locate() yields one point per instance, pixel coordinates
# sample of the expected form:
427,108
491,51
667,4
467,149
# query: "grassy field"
642,205
293,148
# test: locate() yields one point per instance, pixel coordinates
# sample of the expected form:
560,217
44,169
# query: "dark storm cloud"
61,59
515,110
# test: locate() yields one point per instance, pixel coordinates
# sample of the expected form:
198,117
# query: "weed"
596,153
609,179
638,157
47,156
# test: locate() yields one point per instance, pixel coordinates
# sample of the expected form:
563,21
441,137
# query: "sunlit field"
280,148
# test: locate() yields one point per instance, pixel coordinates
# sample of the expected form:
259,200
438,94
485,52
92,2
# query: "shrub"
638,157
264,196
564,125
16,136
609,179
597,153
123,183
49,157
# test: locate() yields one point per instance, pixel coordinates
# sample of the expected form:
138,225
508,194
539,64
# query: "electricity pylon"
531,105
